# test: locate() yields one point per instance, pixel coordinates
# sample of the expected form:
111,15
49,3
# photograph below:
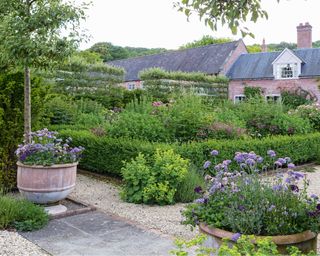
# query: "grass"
21,214
185,192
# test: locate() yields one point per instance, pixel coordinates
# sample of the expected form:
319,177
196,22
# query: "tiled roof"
259,65
207,59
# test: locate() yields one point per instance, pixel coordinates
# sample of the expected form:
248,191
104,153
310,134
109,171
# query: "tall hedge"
106,155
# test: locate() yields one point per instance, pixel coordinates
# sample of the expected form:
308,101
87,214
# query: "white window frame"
239,95
273,95
131,86
294,67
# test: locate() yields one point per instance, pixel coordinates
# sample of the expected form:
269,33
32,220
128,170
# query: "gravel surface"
12,244
105,196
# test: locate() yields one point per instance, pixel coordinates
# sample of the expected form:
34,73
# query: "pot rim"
279,239
55,166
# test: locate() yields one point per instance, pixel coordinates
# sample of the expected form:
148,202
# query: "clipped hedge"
106,155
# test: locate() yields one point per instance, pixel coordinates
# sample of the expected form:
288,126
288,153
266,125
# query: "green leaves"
216,12
30,31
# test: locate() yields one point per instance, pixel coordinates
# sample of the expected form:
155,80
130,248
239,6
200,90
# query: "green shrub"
252,92
311,113
105,154
219,130
294,99
60,110
185,193
21,214
244,245
139,126
186,116
11,119
155,182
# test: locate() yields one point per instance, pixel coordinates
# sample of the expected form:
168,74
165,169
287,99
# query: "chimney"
264,47
304,35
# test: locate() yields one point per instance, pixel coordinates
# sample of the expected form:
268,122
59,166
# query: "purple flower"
198,190
271,153
241,208
282,161
201,200
291,166
278,164
235,237
313,196
250,162
226,162
288,159
277,187
271,208
294,188
206,164
260,159
214,152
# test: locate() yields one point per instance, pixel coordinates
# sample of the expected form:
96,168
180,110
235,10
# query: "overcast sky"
155,23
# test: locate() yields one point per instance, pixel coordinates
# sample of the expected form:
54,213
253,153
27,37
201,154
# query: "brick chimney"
264,47
304,35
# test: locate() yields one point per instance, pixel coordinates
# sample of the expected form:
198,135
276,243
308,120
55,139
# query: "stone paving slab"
97,233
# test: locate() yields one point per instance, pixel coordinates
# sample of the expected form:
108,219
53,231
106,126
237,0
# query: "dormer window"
287,71
287,65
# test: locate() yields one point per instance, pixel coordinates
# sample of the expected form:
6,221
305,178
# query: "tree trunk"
27,105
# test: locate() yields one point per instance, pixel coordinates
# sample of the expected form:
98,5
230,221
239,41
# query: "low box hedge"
106,155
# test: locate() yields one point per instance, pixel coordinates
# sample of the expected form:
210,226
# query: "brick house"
273,72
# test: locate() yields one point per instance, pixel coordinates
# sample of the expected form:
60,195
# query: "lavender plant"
244,201
47,149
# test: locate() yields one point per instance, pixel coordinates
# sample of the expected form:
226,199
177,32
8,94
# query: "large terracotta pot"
46,184
305,241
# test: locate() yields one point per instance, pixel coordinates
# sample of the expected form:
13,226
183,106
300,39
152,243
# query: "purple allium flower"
206,164
214,152
277,187
278,164
282,161
198,190
250,162
294,188
271,208
260,159
313,196
241,208
235,237
201,200
271,153
226,162
291,166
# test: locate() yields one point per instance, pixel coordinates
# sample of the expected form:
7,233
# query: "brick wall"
275,86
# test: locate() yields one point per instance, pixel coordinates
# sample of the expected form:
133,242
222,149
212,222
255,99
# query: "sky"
156,24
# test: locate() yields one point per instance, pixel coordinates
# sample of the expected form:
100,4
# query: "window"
287,71
239,98
273,97
131,87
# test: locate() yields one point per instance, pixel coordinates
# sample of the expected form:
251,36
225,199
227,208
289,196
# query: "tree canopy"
224,12
205,40
107,51
31,37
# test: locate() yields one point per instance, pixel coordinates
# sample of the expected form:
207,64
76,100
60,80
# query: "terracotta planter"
46,184
305,241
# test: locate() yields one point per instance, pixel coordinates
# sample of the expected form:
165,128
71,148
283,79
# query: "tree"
233,13
108,51
205,40
30,37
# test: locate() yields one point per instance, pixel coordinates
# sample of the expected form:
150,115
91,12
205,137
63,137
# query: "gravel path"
105,196
12,244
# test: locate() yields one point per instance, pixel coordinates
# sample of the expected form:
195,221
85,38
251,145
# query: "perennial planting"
240,199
